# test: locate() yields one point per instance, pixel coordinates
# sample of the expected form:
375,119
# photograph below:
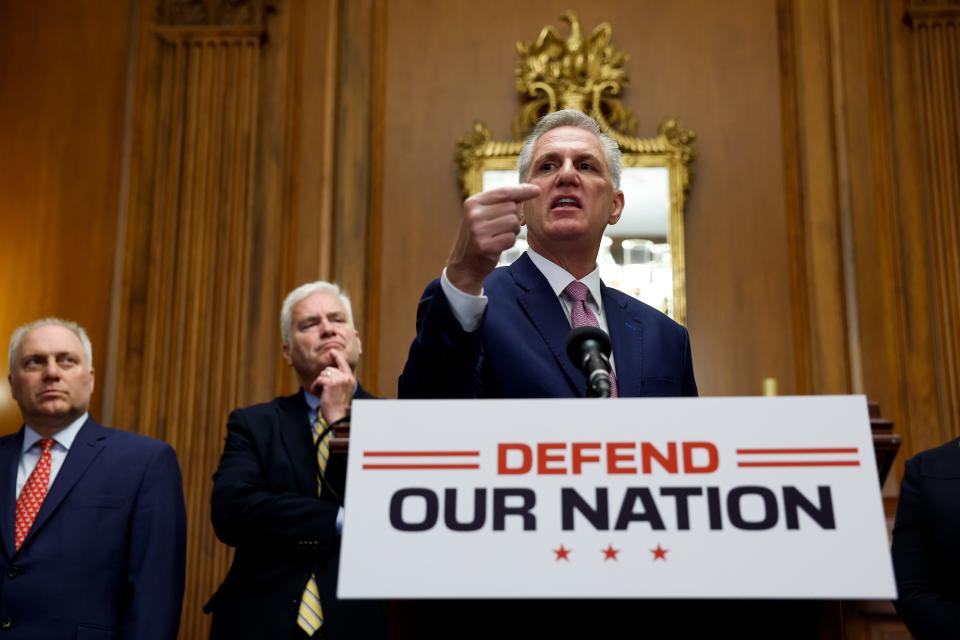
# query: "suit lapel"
626,336
9,461
86,446
294,417
543,309
362,394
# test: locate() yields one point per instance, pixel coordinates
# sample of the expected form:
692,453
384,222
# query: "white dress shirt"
468,309
30,454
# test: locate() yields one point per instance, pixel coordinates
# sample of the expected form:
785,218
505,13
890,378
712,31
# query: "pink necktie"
582,316
33,492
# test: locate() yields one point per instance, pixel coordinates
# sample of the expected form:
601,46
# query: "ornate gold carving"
478,151
572,74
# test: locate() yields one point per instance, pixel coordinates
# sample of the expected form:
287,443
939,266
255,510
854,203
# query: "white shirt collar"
559,278
64,437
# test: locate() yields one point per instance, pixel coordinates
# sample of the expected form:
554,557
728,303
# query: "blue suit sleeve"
157,551
444,360
925,611
689,387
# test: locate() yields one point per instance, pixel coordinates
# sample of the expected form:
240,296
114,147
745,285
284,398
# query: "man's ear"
617,207
286,354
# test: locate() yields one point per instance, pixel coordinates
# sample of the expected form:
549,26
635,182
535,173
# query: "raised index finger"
517,193
341,361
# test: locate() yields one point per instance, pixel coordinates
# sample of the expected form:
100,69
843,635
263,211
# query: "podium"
603,616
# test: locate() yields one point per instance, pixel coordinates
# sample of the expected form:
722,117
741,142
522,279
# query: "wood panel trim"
353,178
186,265
845,204
375,236
793,190
822,259
123,207
936,40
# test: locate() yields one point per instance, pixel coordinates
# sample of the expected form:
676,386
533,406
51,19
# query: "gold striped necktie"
310,615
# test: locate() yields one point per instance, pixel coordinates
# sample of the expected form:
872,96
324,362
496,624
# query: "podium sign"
625,498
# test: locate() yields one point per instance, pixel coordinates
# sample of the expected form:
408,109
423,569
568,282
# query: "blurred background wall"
170,168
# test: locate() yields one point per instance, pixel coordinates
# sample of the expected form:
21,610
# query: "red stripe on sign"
390,454
421,466
830,463
789,451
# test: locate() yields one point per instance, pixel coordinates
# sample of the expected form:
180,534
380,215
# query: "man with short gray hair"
92,519
278,494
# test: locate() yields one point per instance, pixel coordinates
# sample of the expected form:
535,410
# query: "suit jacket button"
6,624
13,572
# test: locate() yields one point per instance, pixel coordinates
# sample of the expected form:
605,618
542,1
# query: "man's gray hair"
16,338
570,118
303,292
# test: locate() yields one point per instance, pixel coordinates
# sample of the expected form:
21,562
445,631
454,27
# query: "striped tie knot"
576,291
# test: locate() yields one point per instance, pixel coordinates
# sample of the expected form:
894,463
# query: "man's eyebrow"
556,154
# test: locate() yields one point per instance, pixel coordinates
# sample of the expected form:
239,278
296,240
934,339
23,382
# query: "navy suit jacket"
519,350
105,556
926,543
265,504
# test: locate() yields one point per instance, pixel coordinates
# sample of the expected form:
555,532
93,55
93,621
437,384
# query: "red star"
562,553
610,553
659,553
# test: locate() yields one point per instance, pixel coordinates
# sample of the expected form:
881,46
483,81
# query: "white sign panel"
653,498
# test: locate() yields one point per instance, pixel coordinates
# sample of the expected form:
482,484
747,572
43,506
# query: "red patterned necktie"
582,316
33,492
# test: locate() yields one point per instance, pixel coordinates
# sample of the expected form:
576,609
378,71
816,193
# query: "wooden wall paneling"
180,365
922,424
313,164
793,191
823,260
876,251
354,266
280,233
936,43
842,165
62,94
313,130
374,253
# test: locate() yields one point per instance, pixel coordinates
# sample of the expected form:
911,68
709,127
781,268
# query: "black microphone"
589,350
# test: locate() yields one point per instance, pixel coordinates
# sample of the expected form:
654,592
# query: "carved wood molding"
921,12
210,12
183,334
936,49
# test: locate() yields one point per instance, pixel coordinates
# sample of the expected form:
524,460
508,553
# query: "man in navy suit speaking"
500,333
92,519
484,332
